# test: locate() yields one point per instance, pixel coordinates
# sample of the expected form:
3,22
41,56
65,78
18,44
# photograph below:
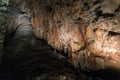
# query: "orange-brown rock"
88,31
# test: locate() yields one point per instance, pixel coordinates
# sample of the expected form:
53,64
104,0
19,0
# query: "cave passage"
28,58
60,40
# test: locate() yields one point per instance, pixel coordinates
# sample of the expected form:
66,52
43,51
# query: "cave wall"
88,31
10,13
3,23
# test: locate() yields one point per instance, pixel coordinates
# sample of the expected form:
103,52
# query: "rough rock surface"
28,58
88,31
3,22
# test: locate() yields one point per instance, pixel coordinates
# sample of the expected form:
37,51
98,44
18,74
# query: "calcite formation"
88,31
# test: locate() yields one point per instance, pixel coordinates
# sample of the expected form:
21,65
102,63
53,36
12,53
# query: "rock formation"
3,23
87,31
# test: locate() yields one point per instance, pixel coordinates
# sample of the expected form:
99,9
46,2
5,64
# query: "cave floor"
28,58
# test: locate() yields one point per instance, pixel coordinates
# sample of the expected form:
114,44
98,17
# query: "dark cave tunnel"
39,46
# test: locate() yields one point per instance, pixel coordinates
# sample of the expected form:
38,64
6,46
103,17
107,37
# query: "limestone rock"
87,31
3,22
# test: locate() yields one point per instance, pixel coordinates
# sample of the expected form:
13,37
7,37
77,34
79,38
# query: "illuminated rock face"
88,31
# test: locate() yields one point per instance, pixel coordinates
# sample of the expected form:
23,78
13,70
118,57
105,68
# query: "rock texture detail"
87,31
3,22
